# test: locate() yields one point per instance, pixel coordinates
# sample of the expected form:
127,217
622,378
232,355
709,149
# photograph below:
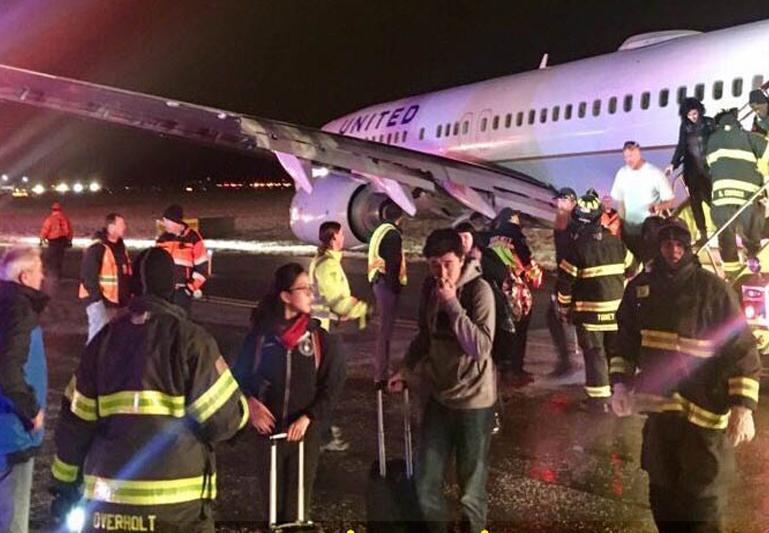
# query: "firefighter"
685,355
105,275
150,396
759,103
57,232
733,155
387,275
591,279
186,246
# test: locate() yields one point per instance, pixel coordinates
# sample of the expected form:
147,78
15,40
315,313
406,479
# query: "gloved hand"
621,401
741,427
64,500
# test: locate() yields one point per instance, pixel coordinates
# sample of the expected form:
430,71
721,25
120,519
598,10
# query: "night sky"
304,61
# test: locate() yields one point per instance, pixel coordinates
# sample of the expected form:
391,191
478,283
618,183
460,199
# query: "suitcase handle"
409,454
274,481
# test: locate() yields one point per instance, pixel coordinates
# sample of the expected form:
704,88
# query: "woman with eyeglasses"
291,372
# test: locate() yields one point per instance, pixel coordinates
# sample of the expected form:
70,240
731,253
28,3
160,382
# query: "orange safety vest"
108,275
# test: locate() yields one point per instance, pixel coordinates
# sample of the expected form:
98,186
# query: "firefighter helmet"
588,210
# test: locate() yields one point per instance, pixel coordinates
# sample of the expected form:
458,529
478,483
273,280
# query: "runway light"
76,519
78,188
62,187
38,189
319,172
24,179
94,186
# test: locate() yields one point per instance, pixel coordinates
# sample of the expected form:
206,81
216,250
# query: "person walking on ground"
150,397
387,275
23,382
690,151
57,232
292,373
686,357
453,344
188,249
105,275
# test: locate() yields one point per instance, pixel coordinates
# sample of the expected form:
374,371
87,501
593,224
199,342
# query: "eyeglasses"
306,290
630,144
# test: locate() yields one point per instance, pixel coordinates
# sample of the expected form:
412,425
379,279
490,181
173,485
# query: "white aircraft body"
510,141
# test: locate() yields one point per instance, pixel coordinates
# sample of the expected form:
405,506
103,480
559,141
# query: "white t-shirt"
637,190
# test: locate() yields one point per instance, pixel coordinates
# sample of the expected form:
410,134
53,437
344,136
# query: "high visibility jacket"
734,156
56,226
109,276
149,398
333,299
591,278
683,339
376,261
190,257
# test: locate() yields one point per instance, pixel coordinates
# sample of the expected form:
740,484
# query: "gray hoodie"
454,343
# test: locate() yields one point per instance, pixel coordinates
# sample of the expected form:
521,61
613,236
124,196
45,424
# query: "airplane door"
466,129
483,127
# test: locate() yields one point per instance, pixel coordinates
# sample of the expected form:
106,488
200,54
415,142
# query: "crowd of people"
151,395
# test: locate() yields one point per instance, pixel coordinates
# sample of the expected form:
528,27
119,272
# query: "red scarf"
290,332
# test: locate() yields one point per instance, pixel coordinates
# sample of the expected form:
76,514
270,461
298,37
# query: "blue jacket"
23,371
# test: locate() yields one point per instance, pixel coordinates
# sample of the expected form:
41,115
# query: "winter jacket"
454,343
190,257
150,397
692,146
333,299
305,380
23,371
56,226
682,336
92,276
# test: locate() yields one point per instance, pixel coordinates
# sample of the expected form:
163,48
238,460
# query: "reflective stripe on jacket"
109,275
333,299
190,257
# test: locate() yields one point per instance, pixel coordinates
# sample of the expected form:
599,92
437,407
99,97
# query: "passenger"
734,155
591,279
333,304
610,217
640,189
692,143
188,249
285,343
685,356
387,275
509,243
105,275
57,232
454,343
23,382
759,103
566,200
150,397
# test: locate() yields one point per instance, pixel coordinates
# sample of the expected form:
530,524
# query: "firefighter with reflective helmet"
150,397
591,280
685,355
186,246
387,275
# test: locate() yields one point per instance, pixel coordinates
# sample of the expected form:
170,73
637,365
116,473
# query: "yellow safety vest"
376,265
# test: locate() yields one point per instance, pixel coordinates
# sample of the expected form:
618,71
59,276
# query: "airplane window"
718,90
456,129
612,105
437,132
645,99
699,91
582,109
519,118
508,120
627,104
758,81
737,87
484,123
397,136
567,112
495,122
556,113
447,130
543,115
421,133
681,95
405,133
465,126
381,137
596,107
389,138
532,116
664,97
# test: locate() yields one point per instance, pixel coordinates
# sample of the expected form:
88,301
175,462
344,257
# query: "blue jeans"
466,432
15,489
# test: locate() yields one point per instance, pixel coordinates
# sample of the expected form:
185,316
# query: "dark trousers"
467,434
558,330
288,471
700,190
689,470
387,305
518,351
54,257
595,346
752,222
183,300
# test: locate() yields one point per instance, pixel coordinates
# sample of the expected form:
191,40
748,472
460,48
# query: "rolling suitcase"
301,525
391,498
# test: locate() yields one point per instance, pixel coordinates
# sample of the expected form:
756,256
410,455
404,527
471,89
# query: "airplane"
505,142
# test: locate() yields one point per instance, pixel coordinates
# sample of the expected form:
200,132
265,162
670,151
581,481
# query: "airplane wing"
481,188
